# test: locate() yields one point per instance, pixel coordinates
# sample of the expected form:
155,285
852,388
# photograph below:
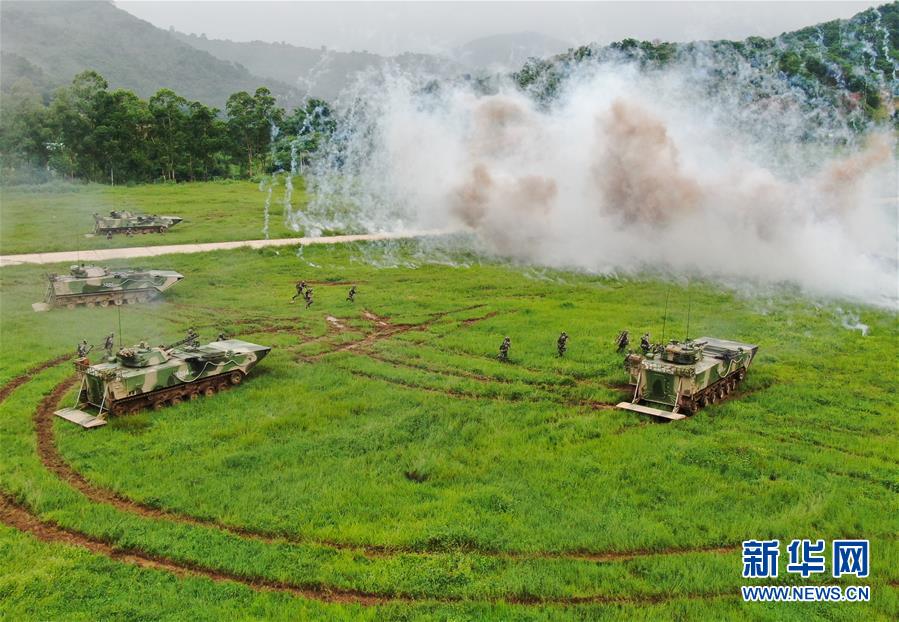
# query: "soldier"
109,344
83,349
222,337
109,235
562,343
645,345
308,297
301,285
193,338
504,349
623,341
352,295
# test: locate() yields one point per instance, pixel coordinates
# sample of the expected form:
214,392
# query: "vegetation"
90,133
843,64
386,451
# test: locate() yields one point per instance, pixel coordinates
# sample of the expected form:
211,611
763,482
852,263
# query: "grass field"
60,217
383,464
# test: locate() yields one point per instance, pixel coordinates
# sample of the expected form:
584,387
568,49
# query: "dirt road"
152,251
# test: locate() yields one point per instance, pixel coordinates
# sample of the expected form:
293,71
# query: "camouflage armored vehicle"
682,377
143,376
95,285
129,222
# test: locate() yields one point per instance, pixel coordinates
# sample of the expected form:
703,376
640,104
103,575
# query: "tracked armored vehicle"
95,285
681,377
143,376
130,223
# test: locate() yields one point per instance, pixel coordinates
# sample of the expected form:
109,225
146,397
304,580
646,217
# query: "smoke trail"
626,171
266,186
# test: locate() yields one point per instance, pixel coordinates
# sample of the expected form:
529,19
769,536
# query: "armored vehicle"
682,377
144,376
95,285
129,222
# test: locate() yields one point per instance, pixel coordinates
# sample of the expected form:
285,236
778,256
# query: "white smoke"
626,171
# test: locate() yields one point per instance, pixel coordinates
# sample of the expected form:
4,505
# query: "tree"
126,126
252,122
169,133
24,135
304,131
206,139
74,116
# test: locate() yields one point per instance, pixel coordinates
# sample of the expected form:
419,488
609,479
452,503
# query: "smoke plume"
625,171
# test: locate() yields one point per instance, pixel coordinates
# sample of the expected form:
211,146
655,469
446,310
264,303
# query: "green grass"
60,217
473,469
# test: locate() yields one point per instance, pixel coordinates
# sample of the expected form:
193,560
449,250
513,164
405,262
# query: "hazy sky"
393,27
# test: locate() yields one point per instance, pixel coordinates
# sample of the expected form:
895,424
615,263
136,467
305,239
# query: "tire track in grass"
52,460
469,395
549,391
28,374
17,516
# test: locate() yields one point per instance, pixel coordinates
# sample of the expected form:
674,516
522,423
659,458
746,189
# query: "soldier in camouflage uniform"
83,349
645,344
562,343
308,297
352,295
222,337
109,344
504,349
193,338
301,286
622,341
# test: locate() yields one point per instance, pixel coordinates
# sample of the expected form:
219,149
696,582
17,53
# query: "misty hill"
50,42
324,73
507,51
313,72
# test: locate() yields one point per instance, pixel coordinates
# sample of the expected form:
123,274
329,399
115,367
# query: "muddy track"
29,373
21,518
55,463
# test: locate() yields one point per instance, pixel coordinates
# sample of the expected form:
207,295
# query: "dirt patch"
371,317
336,324
475,320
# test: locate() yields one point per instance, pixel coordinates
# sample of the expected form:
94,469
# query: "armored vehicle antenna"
689,308
665,319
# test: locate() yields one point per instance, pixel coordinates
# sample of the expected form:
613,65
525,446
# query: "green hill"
844,66
50,42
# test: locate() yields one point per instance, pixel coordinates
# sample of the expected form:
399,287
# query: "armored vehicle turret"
95,285
131,222
143,376
682,377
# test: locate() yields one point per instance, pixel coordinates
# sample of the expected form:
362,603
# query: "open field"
381,463
57,217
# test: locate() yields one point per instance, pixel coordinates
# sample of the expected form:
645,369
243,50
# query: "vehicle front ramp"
648,410
85,420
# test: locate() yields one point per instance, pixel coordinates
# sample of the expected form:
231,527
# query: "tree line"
88,132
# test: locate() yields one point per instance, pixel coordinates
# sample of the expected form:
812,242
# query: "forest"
91,133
